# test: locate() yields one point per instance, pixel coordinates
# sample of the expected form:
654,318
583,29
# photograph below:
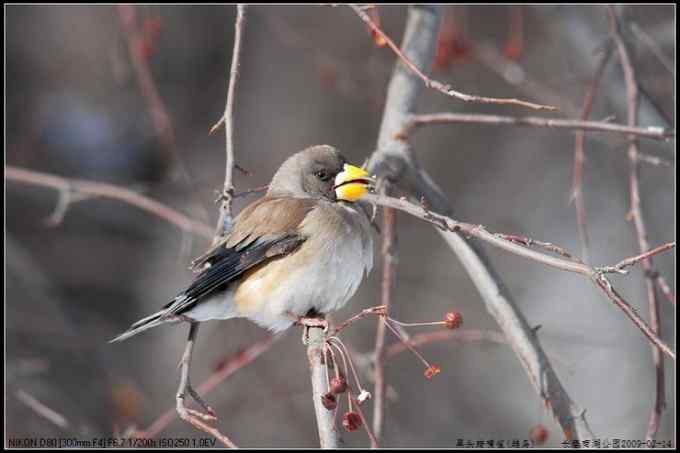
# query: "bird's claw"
309,322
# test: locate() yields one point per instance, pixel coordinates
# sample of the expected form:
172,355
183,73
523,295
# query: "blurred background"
76,107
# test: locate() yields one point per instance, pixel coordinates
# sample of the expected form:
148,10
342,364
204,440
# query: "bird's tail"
143,324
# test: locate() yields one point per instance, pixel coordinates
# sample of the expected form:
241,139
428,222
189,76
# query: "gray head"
309,173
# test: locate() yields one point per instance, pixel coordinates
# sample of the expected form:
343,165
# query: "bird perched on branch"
300,250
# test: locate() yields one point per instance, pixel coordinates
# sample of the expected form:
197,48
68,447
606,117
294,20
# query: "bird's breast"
323,273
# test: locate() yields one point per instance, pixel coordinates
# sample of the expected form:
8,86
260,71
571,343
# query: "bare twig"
378,310
464,336
665,289
223,226
394,159
638,219
196,418
240,360
87,189
371,436
652,132
518,77
434,84
654,47
654,160
478,231
389,261
533,242
329,437
159,113
252,191
623,264
41,409
579,153
228,120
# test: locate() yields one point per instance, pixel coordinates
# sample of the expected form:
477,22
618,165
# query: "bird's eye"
322,175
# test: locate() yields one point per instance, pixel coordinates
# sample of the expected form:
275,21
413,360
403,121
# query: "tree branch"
160,117
439,86
228,367
652,132
639,221
224,222
89,189
389,261
329,437
579,157
597,274
394,160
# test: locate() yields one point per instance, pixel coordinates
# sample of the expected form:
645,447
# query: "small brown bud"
538,434
329,401
351,421
453,320
338,385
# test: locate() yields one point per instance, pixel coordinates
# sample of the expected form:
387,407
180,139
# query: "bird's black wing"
224,264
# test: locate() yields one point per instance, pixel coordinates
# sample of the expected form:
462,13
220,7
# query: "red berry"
538,434
351,421
329,401
432,371
338,385
453,320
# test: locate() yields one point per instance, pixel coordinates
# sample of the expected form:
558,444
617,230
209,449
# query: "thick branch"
329,437
393,159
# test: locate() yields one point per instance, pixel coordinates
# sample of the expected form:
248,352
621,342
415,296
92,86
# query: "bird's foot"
309,322
184,412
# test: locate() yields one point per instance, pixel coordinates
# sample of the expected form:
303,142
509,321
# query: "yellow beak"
352,183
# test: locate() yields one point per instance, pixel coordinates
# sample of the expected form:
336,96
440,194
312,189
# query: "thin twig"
533,242
434,84
195,418
479,232
514,74
654,160
654,47
238,361
579,155
90,189
147,86
665,288
41,409
623,264
228,120
252,191
378,310
652,132
389,261
466,336
223,226
638,220
371,436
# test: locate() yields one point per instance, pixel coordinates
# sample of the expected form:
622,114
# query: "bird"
299,252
